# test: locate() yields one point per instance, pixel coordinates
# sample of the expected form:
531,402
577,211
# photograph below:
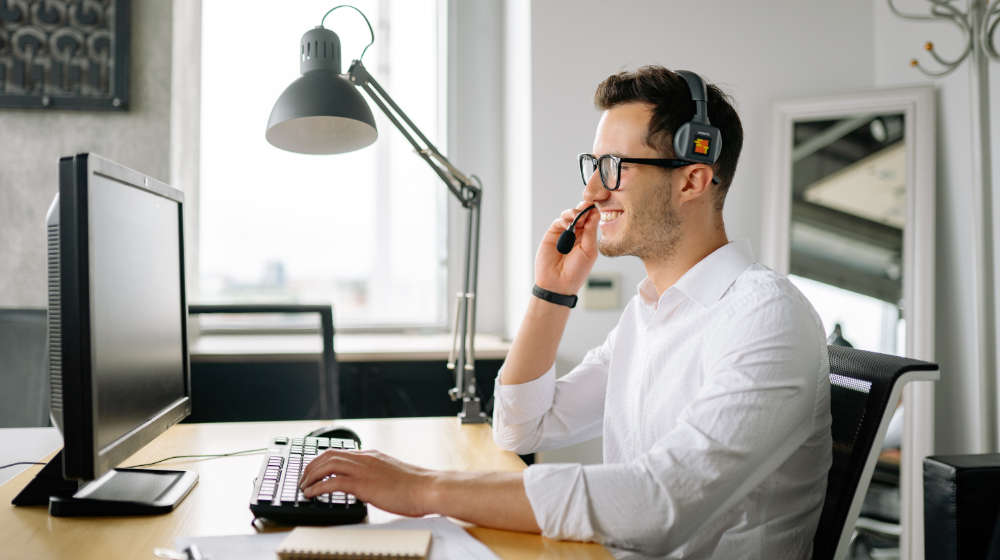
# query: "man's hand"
373,477
534,348
494,499
565,274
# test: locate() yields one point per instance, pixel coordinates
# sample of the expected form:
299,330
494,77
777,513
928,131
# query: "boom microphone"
568,237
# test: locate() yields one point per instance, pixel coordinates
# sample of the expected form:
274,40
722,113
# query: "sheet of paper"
448,541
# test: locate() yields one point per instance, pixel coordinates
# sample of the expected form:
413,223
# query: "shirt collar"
709,278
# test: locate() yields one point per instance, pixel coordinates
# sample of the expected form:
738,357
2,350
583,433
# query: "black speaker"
961,503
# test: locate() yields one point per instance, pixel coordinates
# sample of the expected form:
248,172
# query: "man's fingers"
336,484
330,462
568,215
588,238
560,224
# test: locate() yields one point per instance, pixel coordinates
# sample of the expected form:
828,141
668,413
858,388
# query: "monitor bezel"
83,459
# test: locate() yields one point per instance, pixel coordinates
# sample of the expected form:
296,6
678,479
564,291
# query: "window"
366,230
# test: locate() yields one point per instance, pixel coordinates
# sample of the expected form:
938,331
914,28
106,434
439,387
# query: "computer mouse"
336,432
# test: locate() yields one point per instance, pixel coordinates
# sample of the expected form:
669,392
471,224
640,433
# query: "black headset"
695,141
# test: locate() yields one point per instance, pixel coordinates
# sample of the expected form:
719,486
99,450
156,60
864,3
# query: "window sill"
348,347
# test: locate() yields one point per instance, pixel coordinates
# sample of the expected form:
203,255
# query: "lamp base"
472,412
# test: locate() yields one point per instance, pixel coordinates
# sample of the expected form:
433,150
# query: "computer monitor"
118,359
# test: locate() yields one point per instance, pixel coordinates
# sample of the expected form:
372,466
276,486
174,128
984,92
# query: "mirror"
851,221
848,212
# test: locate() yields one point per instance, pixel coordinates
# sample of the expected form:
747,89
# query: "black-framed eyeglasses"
610,167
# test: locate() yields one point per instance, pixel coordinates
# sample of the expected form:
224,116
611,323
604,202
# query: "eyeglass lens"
608,169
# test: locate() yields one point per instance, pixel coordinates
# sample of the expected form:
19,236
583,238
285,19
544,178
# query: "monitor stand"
118,492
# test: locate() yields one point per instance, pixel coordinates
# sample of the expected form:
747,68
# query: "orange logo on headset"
701,146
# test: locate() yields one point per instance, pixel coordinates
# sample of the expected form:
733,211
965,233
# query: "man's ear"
697,181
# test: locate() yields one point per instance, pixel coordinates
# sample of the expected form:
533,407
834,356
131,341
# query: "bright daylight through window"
365,230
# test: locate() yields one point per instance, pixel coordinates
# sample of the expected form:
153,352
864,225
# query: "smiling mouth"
610,215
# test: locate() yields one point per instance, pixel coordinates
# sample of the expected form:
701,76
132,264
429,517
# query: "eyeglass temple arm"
469,194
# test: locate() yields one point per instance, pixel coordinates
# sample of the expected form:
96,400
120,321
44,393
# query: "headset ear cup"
697,140
681,137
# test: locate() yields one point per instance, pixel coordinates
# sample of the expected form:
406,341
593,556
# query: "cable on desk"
2,467
230,454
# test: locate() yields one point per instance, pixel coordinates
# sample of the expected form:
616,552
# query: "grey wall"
31,143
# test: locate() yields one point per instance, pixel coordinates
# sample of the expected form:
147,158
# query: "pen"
193,553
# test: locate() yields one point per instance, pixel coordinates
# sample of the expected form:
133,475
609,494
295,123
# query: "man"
711,392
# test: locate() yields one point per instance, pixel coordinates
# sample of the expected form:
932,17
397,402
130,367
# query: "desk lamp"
322,113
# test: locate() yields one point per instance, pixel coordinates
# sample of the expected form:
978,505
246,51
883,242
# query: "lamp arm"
469,194
460,185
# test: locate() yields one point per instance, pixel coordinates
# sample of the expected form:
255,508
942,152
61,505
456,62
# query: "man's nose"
594,190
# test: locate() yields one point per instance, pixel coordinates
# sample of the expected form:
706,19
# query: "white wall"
185,129
962,398
756,53
475,147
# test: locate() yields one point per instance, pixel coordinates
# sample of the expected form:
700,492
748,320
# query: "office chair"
878,529
24,382
328,377
864,389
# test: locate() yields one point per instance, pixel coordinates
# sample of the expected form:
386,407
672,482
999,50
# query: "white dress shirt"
714,403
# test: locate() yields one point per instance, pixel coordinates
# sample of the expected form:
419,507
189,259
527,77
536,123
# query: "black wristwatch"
552,297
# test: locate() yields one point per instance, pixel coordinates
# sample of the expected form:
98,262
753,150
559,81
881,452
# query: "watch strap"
552,297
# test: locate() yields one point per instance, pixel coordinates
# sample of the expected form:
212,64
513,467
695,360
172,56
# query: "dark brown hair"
670,97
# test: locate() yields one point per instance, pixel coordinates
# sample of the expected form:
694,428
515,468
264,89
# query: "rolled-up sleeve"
756,407
547,412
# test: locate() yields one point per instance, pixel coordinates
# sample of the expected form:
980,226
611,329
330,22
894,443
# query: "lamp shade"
321,112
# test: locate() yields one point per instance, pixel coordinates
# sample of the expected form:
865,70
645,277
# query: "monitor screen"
119,369
137,351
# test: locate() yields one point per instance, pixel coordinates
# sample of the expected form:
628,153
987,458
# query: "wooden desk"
218,505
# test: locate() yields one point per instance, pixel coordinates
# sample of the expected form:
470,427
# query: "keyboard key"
276,494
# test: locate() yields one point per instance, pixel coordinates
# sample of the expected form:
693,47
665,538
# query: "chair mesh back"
860,387
24,386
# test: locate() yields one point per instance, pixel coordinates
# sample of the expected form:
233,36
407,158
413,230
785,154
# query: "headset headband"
699,94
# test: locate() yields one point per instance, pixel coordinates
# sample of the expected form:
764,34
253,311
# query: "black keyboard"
276,495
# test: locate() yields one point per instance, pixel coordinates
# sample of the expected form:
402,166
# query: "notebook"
321,543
